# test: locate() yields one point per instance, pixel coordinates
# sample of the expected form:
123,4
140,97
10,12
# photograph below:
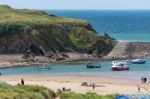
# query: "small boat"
43,67
138,61
93,65
119,66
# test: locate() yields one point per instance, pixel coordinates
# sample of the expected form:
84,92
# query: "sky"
79,4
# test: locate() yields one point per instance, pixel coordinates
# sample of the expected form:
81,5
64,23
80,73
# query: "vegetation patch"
25,92
38,92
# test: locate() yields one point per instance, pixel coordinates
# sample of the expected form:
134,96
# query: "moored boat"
93,65
138,61
118,66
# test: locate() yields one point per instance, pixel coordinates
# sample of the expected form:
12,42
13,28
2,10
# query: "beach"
104,85
72,76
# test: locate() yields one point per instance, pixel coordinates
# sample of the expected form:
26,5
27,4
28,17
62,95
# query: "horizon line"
86,9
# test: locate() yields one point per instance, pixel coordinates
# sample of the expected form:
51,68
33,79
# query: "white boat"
119,66
138,61
43,67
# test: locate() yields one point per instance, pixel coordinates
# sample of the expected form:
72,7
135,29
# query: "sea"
121,25
126,25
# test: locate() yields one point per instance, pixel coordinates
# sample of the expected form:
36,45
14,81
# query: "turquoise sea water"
75,69
122,25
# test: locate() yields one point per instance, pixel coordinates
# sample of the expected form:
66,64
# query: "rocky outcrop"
130,50
48,35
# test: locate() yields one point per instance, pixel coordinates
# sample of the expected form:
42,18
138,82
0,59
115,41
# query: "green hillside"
24,29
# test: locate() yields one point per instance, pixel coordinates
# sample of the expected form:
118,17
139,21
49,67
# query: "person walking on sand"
22,81
145,79
139,89
142,80
93,86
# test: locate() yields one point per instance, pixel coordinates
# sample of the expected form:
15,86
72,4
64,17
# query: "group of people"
144,80
65,89
86,84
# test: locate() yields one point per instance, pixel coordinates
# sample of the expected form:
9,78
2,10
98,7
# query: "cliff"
45,34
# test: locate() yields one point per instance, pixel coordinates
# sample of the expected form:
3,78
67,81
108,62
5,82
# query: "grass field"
33,16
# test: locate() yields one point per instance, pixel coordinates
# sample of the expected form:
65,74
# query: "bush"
25,92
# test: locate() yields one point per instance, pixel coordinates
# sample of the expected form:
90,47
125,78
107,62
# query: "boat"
93,65
43,67
138,61
119,66
127,62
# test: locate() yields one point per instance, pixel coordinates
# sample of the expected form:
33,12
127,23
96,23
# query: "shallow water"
76,69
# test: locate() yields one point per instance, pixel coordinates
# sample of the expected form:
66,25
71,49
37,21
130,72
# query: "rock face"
46,34
130,50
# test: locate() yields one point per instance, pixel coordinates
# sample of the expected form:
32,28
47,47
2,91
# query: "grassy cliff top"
9,14
34,29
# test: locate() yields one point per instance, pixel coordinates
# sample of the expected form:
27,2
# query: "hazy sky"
78,4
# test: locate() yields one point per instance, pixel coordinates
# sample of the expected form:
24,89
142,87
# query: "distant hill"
42,33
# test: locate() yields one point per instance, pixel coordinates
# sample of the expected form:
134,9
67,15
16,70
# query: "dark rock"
107,36
36,49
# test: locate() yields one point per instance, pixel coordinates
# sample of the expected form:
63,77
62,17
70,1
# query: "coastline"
122,51
16,60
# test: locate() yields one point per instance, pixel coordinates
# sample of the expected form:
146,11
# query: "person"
145,79
93,86
142,80
139,89
22,81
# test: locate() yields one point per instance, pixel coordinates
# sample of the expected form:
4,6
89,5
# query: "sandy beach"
103,85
